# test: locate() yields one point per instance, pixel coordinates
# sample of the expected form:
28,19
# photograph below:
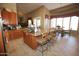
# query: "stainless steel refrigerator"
2,37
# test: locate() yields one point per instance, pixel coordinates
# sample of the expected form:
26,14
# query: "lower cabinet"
33,42
13,34
30,40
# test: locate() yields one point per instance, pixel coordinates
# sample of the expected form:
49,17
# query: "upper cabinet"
9,17
6,15
13,19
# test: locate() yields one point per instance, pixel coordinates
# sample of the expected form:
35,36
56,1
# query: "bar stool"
52,37
43,44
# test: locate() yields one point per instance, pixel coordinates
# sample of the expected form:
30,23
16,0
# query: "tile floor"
66,46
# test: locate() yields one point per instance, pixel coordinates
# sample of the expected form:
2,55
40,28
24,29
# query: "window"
46,23
53,23
37,22
74,23
66,22
29,23
59,22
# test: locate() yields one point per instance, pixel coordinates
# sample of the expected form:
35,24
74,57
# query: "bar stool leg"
42,50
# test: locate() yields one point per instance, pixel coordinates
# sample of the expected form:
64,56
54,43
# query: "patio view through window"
66,22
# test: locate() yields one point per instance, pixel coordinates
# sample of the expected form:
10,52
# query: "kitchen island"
31,39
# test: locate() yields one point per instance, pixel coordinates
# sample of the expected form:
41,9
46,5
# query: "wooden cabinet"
13,18
26,38
17,34
6,16
1,44
13,34
30,40
33,41
10,17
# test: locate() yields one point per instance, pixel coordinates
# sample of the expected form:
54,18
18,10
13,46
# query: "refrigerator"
2,38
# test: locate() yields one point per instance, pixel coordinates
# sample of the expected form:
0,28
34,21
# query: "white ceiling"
28,7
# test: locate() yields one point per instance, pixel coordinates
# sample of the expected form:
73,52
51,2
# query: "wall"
20,14
39,12
0,5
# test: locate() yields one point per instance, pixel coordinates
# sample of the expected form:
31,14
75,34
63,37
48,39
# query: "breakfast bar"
32,39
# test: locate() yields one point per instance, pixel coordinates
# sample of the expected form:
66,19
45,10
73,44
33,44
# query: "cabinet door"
29,40
20,34
13,19
6,16
10,17
1,44
26,37
33,42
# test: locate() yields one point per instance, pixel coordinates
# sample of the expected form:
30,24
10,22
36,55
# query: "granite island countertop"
38,33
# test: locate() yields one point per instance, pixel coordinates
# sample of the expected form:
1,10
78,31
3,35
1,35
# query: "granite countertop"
38,32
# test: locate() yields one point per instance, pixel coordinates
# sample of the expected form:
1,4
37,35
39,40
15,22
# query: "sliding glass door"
66,22
59,22
74,23
53,23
